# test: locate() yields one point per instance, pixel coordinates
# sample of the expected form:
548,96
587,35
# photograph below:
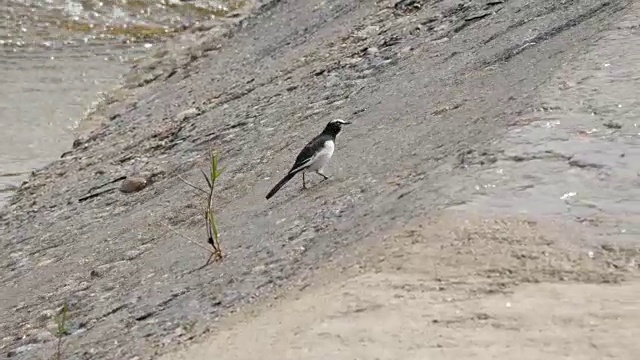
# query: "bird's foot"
324,177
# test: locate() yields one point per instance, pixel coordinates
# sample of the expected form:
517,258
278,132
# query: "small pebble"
46,315
132,254
187,114
43,336
133,184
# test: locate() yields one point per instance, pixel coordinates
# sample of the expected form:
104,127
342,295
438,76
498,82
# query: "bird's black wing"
307,153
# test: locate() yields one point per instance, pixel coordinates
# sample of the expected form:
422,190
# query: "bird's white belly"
323,156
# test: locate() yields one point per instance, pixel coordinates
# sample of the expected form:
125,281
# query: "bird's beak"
346,123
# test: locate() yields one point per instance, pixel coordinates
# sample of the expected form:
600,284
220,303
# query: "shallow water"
44,94
56,56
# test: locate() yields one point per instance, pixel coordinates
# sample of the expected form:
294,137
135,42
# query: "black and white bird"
314,156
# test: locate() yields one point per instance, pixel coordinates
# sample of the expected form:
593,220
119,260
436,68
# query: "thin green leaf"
206,178
214,167
191,185
61,320
212,221
206,219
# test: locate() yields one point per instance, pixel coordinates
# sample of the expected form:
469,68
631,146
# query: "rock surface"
438,109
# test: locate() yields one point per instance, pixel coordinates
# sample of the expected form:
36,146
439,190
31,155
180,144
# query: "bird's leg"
304,185
325,177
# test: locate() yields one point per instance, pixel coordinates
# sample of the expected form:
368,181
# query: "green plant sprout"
209,217
61,330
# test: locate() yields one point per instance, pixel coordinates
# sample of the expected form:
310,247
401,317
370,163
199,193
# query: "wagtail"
314,156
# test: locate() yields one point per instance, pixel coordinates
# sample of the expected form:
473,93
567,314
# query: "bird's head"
334,126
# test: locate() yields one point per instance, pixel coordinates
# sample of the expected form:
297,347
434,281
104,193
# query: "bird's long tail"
280,184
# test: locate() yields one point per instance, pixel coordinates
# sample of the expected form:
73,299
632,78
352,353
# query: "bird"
314,156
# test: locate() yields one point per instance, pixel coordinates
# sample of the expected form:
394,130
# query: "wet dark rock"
407,6
477,16
585,163
76,143
613,125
